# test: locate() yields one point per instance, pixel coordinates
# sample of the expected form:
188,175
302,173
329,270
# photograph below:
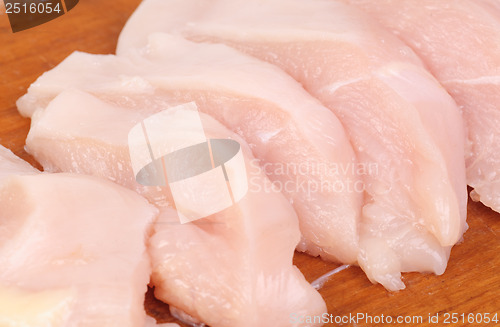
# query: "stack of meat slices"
353,150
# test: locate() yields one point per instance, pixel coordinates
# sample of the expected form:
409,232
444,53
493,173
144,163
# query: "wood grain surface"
471,283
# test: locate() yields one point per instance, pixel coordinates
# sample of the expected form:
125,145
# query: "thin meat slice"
232,268
398,118
300,144
459,41
10,164
72,251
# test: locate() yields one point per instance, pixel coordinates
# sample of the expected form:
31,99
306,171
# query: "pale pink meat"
72,250
398,118
301,144
233,268
459,41
10,164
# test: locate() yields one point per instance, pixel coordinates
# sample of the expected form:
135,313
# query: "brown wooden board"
470,285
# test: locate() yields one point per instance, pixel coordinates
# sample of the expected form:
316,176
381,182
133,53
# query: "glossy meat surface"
397,116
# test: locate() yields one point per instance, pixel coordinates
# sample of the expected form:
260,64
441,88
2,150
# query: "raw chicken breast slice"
10,164
301,144
459,41
72,252
232,268
399,119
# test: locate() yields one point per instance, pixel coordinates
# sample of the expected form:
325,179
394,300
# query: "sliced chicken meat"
301,144
398,118
231,268
10,164
459,41
72,251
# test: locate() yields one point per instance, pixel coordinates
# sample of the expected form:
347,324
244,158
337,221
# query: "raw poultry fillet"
72,250
301,144
397,116
10,164
459,41
232,268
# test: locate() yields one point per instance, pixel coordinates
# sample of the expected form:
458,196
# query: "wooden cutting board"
470,285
